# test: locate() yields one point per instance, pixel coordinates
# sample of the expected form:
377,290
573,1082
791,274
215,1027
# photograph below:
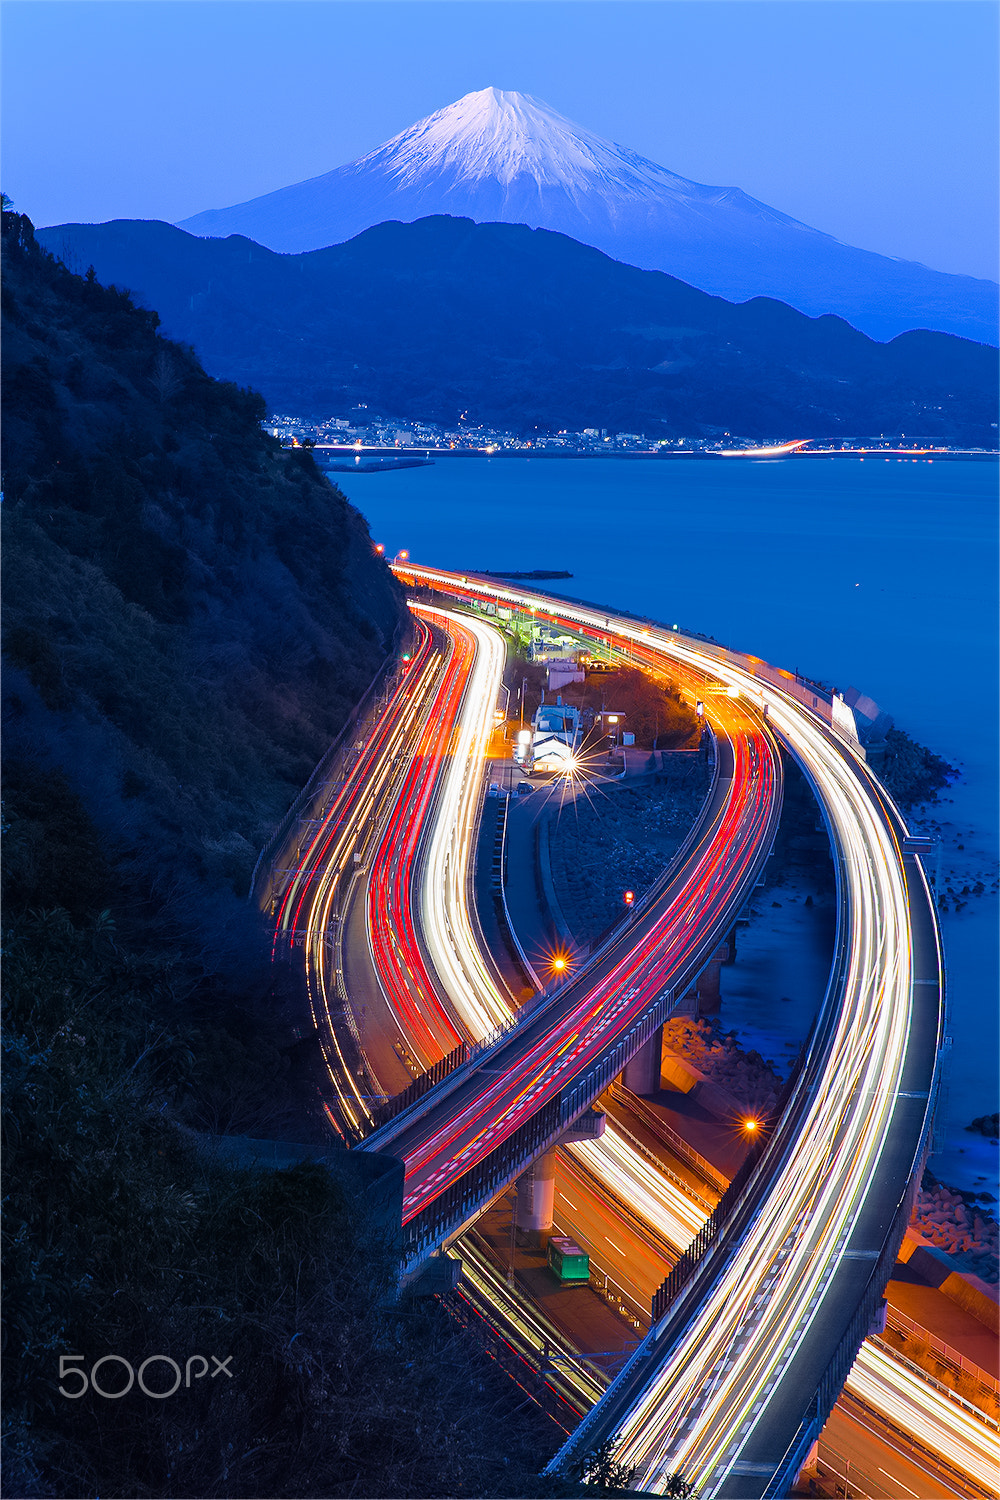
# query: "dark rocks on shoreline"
955,1223
753,1081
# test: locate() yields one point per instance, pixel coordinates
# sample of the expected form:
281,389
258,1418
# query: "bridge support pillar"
536,1188
642,1072
705,999
536,1192
810,1469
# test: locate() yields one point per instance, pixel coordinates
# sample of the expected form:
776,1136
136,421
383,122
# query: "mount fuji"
496,155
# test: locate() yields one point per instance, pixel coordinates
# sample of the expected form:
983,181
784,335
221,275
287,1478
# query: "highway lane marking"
893,1480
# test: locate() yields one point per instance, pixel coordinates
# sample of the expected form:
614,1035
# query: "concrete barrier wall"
970,1292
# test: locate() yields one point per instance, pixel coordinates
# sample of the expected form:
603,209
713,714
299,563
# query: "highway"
548,1052
716,1390
305,914
454,967
429,1030
952,1444
865,963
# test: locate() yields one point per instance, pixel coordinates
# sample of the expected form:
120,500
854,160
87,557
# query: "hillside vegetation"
525,329
190,614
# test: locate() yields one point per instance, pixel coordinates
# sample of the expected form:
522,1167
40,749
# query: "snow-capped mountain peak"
496,154
499,134
504,137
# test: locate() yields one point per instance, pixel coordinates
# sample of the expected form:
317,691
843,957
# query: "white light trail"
942,1423
696,1415
444,877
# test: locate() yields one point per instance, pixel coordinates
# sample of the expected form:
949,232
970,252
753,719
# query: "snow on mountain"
498,155
503,135
495,134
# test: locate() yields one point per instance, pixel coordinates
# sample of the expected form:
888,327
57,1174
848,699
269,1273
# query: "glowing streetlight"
751,1125
628,897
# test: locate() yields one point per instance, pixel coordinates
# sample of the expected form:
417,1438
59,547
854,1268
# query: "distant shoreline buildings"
361,435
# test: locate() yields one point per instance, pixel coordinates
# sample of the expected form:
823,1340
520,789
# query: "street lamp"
559,964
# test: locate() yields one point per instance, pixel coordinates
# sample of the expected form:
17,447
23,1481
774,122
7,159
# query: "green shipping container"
569,1262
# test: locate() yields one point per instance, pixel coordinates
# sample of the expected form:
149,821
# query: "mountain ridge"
501,156
525,328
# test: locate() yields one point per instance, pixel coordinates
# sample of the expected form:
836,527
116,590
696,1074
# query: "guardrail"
420,1086
361,718
846,1352
450,1209
651,1156
669,1136
727,1205
902,1324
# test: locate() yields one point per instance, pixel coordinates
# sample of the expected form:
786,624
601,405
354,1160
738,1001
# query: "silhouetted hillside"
190,612
522,328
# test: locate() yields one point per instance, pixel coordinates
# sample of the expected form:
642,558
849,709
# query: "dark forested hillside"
524,328
190,613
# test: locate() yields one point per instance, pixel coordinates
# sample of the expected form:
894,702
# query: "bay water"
878,573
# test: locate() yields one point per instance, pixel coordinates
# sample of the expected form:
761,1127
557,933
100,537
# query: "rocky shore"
752,1081
953,1222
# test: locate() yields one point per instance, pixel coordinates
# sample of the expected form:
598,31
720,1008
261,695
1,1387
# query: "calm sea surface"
876,574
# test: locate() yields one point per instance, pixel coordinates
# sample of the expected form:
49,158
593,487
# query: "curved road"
862,966
716,1391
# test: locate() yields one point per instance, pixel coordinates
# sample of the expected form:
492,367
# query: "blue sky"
875,120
